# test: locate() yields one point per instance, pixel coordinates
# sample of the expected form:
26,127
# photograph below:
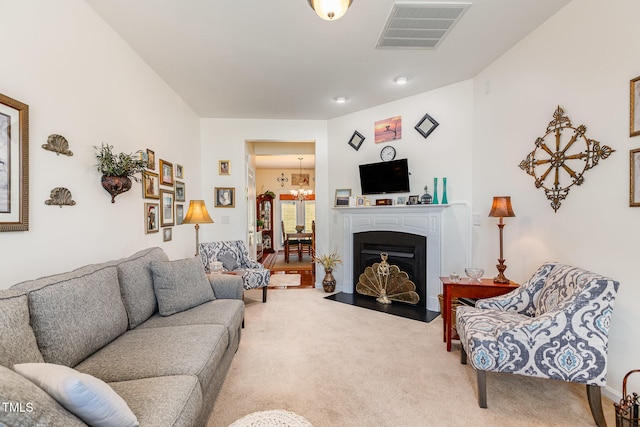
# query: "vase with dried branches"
329,262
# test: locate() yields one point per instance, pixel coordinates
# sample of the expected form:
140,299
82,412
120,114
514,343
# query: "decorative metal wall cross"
282,179
566,158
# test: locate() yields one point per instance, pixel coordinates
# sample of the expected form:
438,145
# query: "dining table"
300,237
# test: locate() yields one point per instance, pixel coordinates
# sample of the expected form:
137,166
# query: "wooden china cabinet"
264,213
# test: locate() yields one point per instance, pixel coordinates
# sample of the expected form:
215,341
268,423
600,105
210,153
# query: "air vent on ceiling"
419,25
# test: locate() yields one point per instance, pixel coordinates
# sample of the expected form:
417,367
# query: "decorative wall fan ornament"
58,144
561,158
60,196
387,283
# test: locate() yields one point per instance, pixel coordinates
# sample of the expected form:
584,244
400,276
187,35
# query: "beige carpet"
340,365
281,280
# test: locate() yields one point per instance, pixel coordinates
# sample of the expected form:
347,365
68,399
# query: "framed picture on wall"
166,173
635,107
167,234
151,218
14,165
388,129
225,197
150,185
634,178
151,160
167,200
224,167
179,214
180,191
179,171
356,140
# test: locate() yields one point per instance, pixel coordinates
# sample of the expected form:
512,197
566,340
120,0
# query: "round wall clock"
388,153
561,157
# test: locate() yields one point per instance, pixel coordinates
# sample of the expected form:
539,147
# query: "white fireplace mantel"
423,220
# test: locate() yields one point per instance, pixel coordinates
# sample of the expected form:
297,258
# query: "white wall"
447,152
82,81
226,139
581,59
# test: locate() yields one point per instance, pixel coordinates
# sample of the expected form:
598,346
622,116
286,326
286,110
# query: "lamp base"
500,278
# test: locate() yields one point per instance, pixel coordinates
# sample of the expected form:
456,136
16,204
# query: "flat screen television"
385,177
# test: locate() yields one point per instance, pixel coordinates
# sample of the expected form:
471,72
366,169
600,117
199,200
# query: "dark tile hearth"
396,308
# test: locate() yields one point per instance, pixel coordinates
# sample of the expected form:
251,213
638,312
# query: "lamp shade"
501,207
197,213
330,10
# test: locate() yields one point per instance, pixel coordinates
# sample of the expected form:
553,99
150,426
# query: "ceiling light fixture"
401,81
341,100
330,10
301,194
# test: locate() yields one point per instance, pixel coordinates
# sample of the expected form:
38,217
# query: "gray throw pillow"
180,285
228,261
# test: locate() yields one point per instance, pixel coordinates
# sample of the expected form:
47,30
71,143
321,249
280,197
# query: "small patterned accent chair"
556,326
235,258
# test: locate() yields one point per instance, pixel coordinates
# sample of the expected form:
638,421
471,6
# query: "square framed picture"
151,160
360,201
151,217
166,173
356,140
167,200
150,185
401,201
167,234
179,171
635,107
388,129
342,197
225,197
634,178
413,200
180,191
224,167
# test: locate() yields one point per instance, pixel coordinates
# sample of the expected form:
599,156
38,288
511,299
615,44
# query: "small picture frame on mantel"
356,140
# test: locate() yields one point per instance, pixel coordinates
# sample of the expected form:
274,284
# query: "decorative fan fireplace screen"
387,283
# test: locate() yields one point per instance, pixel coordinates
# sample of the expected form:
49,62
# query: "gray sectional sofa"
160,333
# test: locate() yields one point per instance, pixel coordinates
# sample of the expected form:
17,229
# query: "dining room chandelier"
330,10
301,193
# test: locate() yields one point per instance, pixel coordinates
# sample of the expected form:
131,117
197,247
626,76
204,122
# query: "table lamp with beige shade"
197,214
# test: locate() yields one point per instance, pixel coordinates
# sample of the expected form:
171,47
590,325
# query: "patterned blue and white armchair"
235,258
554,326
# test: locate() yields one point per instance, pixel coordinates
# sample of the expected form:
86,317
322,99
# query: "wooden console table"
466,288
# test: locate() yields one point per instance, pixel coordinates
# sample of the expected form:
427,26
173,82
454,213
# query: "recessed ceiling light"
401,80
341,100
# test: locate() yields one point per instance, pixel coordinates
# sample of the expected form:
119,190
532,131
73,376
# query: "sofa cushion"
143,353
228,313
75,317
17,341
180,285
25,405
136,284
170,401
89,398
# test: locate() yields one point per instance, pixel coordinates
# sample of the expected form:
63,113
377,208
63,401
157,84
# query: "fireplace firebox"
407,251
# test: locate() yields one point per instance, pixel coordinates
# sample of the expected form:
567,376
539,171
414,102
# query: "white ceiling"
276,59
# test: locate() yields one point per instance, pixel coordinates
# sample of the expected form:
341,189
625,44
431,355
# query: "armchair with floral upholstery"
554,326
235,259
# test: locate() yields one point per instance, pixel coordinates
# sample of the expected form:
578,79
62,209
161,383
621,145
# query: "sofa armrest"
226,286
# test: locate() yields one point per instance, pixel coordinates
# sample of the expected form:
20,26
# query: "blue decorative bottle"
444,191
435,191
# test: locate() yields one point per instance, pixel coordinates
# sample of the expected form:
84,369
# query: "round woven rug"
273,418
